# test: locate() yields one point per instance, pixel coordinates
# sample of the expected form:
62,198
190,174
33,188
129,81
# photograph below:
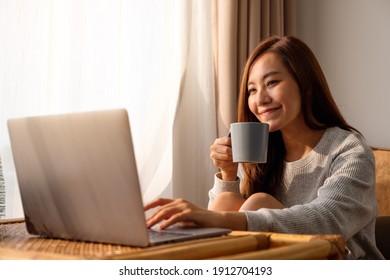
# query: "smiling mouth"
269,111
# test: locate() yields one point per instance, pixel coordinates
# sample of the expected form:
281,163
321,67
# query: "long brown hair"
318,107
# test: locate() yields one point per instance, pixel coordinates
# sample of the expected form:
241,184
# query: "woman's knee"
227,201
261,200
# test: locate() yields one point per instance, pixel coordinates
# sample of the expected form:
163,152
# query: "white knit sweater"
330,191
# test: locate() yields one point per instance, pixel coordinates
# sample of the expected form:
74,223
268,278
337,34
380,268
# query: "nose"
262,97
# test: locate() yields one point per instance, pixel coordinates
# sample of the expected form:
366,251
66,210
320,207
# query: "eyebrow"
266,75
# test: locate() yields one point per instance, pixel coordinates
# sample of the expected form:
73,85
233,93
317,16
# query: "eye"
272,83
251,91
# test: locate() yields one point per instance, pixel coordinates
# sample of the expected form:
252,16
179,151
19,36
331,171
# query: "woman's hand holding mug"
222,157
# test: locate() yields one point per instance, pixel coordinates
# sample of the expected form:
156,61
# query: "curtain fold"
194,126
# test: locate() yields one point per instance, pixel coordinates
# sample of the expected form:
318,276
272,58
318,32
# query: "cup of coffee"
249,142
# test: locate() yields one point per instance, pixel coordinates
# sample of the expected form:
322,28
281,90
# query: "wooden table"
17,243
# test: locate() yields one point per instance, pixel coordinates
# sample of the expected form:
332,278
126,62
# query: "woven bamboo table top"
17,243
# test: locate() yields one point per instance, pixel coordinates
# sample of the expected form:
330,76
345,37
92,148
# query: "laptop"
78,180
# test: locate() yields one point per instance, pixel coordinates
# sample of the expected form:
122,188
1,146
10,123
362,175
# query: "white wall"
351,39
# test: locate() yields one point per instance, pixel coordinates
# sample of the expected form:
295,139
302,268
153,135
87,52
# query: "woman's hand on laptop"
172,211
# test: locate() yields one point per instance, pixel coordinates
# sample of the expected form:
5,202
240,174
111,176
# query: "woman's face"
274,96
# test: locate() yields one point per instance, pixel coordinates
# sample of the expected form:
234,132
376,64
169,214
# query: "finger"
171,213
165,212
225,141
157,202
222,150
190,217
180,217
222,160
221,153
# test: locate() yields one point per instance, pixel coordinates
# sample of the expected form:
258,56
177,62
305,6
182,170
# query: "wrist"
229,176
233,220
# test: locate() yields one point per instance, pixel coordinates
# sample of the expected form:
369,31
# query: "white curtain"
151,57
195,122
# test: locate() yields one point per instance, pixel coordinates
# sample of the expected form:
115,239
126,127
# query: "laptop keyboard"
163,234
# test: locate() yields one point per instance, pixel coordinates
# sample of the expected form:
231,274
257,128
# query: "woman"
320,174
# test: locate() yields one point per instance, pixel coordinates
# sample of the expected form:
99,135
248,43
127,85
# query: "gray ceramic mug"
249,142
